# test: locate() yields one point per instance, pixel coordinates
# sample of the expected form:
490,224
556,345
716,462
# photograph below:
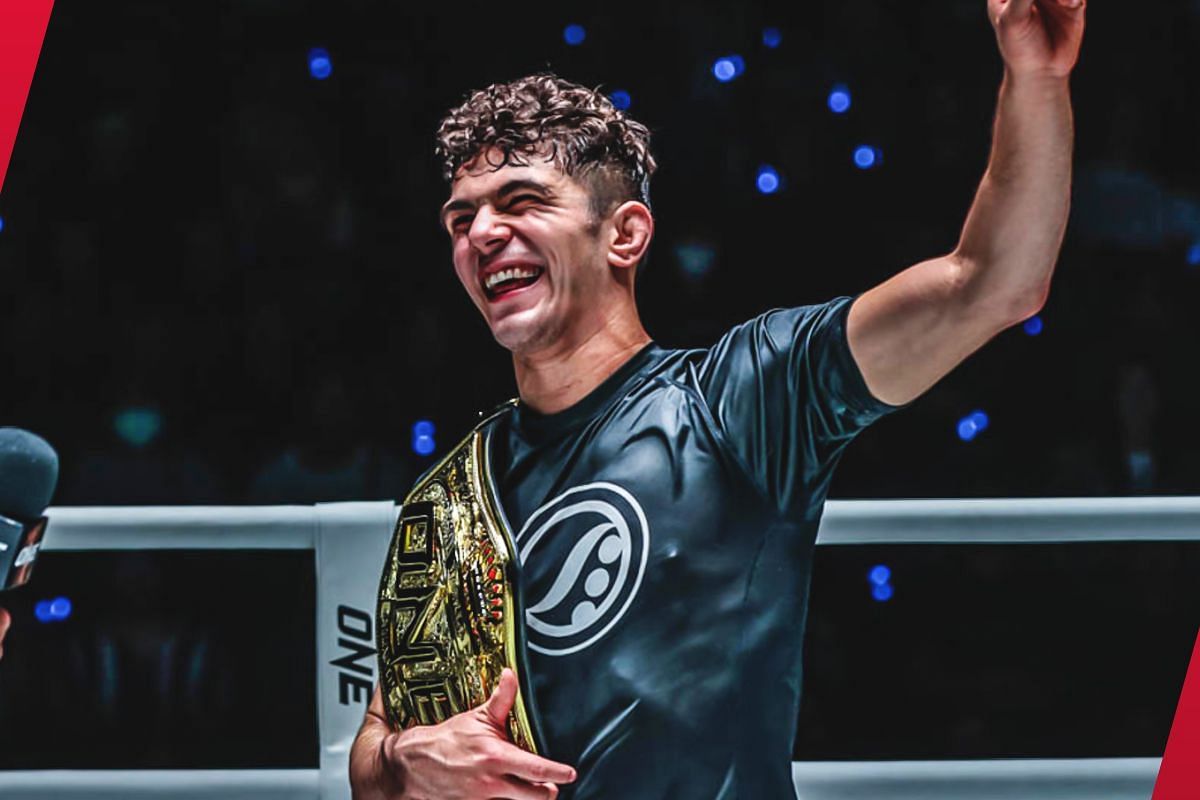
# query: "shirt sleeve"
788,397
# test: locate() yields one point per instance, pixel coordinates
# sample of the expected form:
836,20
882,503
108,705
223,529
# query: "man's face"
528,251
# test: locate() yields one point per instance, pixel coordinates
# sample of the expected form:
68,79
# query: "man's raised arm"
909,331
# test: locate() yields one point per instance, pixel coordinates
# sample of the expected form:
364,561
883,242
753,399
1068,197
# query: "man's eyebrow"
523,183
510,187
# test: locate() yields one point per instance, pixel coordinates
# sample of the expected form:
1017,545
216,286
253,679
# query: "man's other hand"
5,621
467,757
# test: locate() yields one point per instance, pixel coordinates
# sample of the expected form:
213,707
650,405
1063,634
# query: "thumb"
501,702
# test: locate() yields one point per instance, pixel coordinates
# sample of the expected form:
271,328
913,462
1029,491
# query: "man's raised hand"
1038,38
469,757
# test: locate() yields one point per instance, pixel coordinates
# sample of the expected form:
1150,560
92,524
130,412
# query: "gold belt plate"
448,617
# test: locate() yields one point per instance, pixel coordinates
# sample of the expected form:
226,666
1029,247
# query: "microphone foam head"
28,474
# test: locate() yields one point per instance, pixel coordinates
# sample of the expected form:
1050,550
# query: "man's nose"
488,232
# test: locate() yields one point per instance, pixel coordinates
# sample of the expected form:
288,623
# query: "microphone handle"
19,546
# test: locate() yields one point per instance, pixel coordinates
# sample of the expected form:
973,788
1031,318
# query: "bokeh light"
60,608
574,34
320,65
729,67
972,425
1033,325
767,179
621,99
137,426
423,443
695,258
866,156
879,574
839,99
772,37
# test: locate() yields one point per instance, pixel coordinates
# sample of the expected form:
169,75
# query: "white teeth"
508,274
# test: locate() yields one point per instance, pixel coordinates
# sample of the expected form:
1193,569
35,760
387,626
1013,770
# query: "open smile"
505,282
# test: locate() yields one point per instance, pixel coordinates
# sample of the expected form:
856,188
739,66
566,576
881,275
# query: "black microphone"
28,473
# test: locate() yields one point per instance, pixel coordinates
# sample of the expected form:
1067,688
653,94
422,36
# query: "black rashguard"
665,526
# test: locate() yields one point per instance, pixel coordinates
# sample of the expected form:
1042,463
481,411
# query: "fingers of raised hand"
1006,12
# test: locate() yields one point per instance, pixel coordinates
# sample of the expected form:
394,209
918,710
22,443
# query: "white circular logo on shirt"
603,533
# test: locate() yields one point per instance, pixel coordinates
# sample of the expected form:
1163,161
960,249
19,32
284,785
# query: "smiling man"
665,503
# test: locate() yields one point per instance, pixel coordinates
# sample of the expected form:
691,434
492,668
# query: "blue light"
621,99
1033,325
882,592
422,437
320,65
1,224
696,258
972,425
866,156
727,68
839,99
772,37
879,575
137,426
60,608
574,35
1193,253
767,179
42,611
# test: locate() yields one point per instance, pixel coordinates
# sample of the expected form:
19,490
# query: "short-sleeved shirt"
665,526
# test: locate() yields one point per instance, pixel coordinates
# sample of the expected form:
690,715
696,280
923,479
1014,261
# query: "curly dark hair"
579,129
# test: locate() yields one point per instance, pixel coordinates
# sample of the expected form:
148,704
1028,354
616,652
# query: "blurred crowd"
227,285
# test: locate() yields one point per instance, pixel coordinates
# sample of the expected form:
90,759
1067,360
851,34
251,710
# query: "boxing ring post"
350,540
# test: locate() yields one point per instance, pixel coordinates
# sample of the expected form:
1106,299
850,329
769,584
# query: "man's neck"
555,381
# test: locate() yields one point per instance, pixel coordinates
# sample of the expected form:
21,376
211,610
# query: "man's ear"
632,230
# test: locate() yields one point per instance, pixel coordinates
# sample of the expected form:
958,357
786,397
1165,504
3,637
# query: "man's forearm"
370,774
1010,242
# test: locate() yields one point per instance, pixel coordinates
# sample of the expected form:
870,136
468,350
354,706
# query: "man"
666,503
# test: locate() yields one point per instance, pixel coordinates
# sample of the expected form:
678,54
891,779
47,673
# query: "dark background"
227,284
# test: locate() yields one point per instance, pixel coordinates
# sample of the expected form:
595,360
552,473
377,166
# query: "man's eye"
524,198
461,223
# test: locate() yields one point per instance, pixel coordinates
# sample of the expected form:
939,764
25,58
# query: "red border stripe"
22,29
1179,774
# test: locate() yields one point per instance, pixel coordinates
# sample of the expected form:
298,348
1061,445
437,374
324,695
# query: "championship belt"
449,616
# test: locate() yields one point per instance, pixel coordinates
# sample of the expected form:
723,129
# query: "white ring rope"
1007,521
